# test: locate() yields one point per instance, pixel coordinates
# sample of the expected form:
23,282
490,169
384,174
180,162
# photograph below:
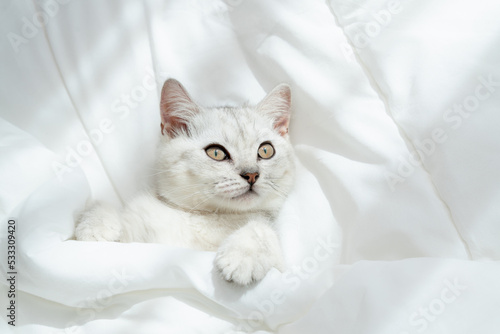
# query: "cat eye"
217,152
266,151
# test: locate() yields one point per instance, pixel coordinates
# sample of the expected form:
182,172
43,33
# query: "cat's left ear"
176,108
277,105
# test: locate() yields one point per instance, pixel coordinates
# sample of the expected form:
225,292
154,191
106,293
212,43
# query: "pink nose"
250,177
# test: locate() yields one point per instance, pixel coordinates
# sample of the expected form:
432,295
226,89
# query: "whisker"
189,195
275,187
200,203
184,187
160,172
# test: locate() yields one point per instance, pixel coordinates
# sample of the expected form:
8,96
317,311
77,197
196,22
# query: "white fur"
205,204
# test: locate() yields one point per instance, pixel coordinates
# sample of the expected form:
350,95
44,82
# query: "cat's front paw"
248,255
99,223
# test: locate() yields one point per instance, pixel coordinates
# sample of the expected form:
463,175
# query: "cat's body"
146,218
222,175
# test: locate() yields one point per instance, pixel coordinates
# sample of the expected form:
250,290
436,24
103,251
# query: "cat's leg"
249,253
100,222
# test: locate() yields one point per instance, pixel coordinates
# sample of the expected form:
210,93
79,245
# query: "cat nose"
250,177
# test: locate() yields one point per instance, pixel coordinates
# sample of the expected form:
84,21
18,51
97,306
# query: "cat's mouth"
249,194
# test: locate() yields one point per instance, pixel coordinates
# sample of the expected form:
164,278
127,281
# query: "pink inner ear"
176,107
171,124
277,105
281,125
167,129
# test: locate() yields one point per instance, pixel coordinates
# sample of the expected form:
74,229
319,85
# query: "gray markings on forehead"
237,127
238,119
239,124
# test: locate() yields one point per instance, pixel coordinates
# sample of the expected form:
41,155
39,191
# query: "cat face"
224,159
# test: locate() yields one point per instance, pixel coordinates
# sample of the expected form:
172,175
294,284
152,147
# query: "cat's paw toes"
240,268
100,223
244,266
248,254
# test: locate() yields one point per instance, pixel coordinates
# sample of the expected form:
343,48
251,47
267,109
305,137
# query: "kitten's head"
224,159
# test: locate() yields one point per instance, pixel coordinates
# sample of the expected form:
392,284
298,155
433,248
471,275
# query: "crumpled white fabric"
392,227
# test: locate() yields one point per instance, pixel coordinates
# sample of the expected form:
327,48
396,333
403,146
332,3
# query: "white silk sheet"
394,224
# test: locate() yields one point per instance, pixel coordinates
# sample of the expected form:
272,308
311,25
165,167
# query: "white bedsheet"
394,225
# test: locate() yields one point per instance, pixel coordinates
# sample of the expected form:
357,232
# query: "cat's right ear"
176,108
277,106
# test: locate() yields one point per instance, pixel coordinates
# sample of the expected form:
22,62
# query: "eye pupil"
217,153
266,151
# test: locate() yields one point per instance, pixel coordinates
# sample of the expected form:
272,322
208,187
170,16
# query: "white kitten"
223,174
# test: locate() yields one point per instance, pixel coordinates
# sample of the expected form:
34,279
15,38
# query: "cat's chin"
249,195
249,200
